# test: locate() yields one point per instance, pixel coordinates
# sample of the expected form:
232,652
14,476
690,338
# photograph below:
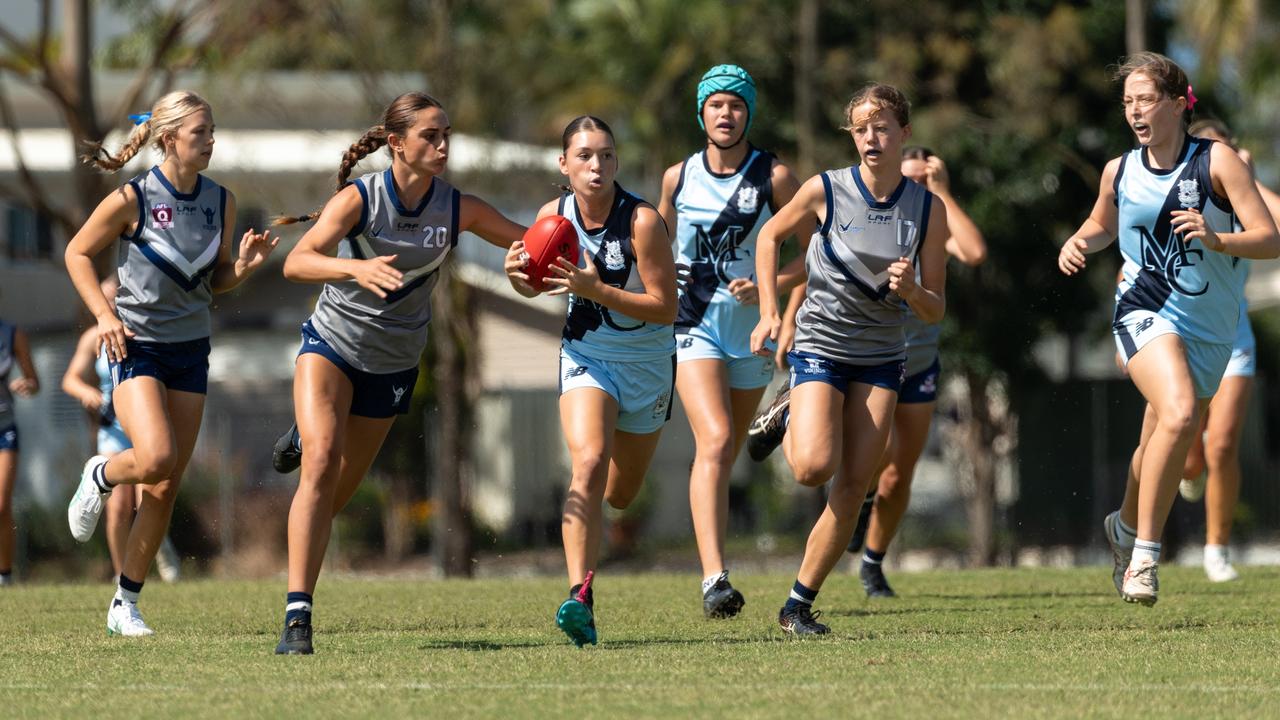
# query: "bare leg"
911,423
1222,451
8,479
154,511
321,401
119,520
588,417
867,417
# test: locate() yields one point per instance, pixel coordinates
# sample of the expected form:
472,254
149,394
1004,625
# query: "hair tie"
140,118
1191,99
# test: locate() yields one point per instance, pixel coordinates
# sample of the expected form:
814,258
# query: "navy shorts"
9,438
373,395
809,367
180,366
921,387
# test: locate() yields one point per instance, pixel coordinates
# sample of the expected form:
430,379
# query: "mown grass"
998,643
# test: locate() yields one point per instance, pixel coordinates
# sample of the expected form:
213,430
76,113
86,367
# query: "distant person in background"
1174,202
1212,469
14,348
884,507
713,202
88,380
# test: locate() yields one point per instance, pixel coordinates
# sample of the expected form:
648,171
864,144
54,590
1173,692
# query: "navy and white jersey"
386,335
165,265
717,218
1198,290
849,314
592,329
8,333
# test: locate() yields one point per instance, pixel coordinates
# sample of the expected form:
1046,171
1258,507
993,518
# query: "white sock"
1125,535
1215,554
1145,551
711,580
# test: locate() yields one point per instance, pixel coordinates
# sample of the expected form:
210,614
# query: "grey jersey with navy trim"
166,264
386,335
8,333
849,314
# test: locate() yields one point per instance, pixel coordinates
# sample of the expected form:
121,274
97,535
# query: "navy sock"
801,596
128,589
591,595
297,608
871,557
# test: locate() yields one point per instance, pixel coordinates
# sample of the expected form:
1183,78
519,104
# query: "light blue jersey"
591,329
165,265
717,219
1198,291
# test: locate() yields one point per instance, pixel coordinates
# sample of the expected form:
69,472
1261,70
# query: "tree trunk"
454,376
979,433
805,72
1135,26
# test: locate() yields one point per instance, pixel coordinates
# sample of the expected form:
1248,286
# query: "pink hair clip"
1191,99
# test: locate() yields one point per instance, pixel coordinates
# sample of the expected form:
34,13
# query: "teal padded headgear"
730,79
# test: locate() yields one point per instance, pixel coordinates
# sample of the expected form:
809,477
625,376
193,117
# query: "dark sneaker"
576,617
722,600
767,429
286,456
864,522
873,581
801,620
296,640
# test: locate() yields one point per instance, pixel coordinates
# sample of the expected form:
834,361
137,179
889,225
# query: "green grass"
1000,643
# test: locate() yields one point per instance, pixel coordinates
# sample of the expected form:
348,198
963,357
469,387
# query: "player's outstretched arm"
1099,229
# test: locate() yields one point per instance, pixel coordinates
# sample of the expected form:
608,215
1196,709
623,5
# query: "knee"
715,446
588,466
1179,419
1221,450
155,464
620,499
812,471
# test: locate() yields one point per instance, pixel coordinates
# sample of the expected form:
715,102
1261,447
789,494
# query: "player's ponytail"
163,121
397,119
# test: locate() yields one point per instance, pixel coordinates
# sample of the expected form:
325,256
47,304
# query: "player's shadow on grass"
491,646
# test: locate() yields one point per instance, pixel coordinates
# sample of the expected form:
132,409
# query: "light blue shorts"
112,440
1207,361
1244,358
745,373
642,389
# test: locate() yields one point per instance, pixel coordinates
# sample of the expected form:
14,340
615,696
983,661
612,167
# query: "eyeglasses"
1142,102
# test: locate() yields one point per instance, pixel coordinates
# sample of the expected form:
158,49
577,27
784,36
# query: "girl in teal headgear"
715,200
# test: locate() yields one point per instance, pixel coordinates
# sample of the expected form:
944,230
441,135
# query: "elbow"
978,257
291,270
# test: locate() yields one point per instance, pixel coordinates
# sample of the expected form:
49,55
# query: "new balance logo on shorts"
686,343
1144,325
574,372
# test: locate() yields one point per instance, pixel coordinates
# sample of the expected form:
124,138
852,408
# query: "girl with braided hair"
175,230
355,371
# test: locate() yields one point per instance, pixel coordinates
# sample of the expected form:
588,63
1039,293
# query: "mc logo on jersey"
161,216
1168,257
719,251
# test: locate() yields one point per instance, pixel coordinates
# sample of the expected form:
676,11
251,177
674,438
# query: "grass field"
999,643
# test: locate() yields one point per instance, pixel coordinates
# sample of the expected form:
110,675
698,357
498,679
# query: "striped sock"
100,479
297,608
871,557
801,595
1146,550
128,590
1125,535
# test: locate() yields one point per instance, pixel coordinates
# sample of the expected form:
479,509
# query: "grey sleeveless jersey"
922,343
386,335
7,334
848,314
165,265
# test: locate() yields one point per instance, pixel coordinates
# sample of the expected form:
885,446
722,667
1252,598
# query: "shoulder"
646,220
671,177
552,207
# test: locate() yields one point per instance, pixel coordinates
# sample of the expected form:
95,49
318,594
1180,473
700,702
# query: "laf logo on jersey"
876,218
162,216
406,226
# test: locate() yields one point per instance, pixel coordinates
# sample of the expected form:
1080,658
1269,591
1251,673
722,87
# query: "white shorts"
642,389
1207,361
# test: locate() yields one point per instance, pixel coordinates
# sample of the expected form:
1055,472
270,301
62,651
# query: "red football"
550,238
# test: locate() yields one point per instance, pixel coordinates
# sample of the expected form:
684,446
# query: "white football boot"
1120,555
1141,583
123,619
86,505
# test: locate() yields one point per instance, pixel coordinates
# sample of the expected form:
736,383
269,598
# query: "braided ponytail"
165,119
397,119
